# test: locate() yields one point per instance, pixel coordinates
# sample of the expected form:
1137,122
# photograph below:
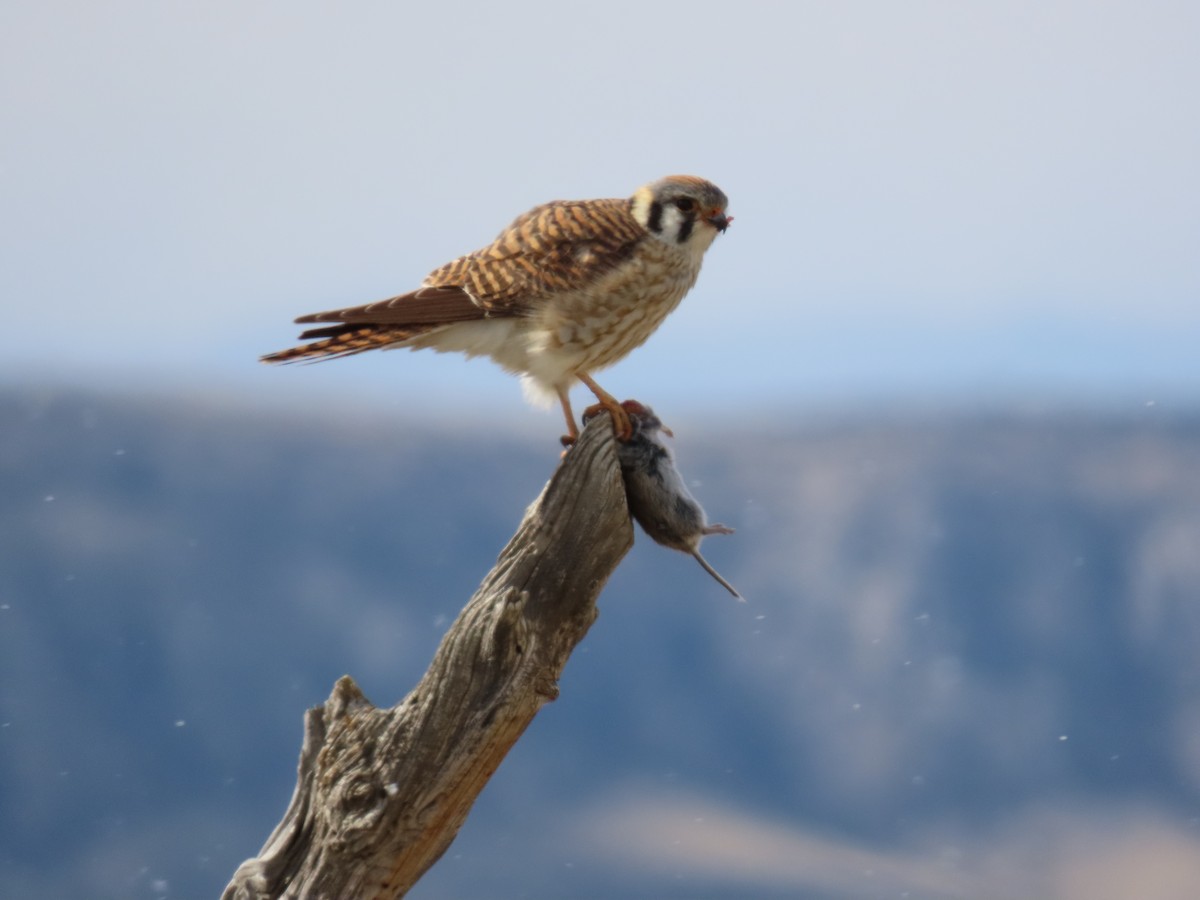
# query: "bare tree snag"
381,793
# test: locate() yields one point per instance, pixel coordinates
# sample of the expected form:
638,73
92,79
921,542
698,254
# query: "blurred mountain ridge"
951,619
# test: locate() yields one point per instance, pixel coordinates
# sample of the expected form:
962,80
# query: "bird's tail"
333,341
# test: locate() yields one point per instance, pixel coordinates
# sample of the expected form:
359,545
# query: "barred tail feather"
336,341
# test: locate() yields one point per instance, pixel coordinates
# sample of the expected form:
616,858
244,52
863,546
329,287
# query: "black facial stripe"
654,223
685,228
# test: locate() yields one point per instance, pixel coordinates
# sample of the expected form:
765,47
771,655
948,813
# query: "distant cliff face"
949,620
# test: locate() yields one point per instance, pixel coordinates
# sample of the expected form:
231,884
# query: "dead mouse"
657,495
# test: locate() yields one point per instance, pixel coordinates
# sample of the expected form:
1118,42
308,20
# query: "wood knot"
359,803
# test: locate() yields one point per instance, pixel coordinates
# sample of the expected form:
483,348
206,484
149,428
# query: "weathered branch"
381,793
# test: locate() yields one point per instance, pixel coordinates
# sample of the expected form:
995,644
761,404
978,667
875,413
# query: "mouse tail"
717,575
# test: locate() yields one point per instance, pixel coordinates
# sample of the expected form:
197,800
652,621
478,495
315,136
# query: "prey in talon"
569,288
658,498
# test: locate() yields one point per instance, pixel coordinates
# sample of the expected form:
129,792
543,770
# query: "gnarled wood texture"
381,793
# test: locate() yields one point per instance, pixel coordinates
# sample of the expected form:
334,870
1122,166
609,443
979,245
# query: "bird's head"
682,209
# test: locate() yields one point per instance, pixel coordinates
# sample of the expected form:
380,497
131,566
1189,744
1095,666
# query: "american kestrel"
567,289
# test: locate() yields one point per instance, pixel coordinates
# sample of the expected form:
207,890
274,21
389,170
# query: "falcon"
569,288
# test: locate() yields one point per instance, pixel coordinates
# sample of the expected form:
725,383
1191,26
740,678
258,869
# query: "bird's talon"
622,426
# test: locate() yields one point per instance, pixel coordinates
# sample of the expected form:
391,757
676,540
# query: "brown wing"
560,246
557,247
424,306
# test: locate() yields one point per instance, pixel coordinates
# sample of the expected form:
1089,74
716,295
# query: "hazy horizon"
932,201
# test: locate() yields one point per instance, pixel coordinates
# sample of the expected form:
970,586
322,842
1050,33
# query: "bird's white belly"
590,330
505,340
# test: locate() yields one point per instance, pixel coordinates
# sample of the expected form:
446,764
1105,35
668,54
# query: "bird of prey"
569,288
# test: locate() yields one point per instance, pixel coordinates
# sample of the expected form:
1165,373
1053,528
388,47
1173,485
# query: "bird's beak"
719,220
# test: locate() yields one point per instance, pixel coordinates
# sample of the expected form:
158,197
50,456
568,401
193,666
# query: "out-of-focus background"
940,374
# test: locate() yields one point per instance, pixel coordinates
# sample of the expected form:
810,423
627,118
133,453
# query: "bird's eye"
685,204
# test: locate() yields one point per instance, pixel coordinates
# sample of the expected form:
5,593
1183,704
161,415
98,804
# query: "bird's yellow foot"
622,426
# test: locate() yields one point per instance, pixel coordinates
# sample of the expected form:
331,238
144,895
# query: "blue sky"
935,202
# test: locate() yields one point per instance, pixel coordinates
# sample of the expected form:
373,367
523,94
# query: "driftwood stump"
381,793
